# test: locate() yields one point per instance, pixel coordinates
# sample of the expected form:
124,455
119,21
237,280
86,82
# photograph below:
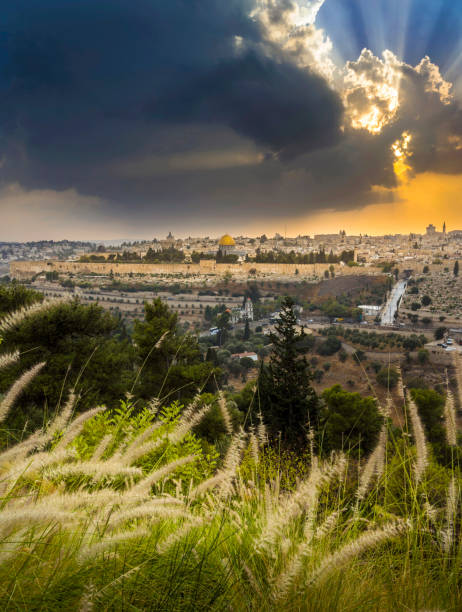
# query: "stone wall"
23,270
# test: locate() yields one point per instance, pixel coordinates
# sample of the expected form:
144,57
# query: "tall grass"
99,531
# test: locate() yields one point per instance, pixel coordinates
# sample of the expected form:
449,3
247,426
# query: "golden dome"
226,240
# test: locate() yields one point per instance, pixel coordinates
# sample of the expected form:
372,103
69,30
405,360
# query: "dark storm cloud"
85,83
274,103
160,109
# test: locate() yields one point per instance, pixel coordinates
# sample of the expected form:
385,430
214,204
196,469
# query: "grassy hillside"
130,510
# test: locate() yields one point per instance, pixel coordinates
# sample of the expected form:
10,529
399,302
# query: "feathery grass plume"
179,534
90,551
262,434
288,508
14,318
254,448
253,582
225,413
420,440
295,567
102,447
450,419
154,406
188,420
457,361
10,549
328,525
223,479
233,454
17,516
98,470
17,388
354,549
232,461
152,510
99,500
374,465
22,449
87,601
8,359
144,486
186,423
74,428
400,385
447,535
38,462
39,439
139,447
60,421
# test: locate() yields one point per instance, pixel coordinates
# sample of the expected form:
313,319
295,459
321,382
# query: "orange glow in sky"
426,198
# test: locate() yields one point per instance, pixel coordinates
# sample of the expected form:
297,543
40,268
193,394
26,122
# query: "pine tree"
456,269
288,401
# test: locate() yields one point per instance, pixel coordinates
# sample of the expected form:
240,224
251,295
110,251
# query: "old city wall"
23,270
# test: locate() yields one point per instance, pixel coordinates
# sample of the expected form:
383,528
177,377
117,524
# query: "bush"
440,333
359,356
388,377
349,420
330,346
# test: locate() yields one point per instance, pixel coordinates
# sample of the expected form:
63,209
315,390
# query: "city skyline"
251,116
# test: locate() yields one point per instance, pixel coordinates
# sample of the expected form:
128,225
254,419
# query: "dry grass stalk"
357,547
74,429
374,465
89,552
17,388
8,359
254,448
17,516
98,470
400,385
288,508
102,447
262,434
420,440
458,370
143,487
447,536
11,320
153,510
225,413
450,419
179,535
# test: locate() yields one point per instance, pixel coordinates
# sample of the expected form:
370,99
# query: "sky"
122,119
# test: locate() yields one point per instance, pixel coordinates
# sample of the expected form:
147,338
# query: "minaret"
444,228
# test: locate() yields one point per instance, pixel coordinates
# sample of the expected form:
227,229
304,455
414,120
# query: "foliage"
82,350
440,332
170,365
15,296
288,401
388,377
281,257
330,346
124,424
123,515
349,421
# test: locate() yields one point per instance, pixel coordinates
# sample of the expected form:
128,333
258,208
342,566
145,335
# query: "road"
388,315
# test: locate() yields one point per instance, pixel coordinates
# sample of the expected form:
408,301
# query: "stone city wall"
23,270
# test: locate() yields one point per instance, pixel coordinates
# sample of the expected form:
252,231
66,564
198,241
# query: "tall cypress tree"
288,401
247,330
